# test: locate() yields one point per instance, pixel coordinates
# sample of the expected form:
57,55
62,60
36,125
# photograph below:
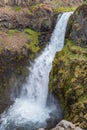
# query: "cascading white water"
31,105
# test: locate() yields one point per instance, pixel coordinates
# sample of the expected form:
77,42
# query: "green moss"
12,32
29,12
33,43
65,9
68,77
83,98
20,57
36,6
17,8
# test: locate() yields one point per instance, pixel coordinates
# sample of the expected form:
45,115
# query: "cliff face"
68,78
39,18
23,34
55,3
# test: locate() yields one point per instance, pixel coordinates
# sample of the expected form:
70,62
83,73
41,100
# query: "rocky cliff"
55,3
23,34
68,78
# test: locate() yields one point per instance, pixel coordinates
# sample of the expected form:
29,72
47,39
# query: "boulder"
66,125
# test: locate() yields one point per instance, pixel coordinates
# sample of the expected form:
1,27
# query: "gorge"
30,109
43,73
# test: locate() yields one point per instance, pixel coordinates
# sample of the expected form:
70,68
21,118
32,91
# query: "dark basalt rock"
77,26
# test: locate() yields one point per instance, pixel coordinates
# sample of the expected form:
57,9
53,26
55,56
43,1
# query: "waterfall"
31,106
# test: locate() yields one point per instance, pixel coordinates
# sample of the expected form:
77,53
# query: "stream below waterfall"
35,107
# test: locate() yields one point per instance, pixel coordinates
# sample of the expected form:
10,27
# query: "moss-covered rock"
68,81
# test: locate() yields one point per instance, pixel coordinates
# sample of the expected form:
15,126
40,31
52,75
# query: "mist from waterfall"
31,108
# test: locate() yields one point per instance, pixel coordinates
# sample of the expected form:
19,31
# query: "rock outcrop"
78,26
38,18
68,78
64,125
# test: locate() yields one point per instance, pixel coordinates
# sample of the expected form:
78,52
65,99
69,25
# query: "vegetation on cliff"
22,42
68,78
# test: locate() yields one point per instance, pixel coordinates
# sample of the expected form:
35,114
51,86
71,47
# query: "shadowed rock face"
78,26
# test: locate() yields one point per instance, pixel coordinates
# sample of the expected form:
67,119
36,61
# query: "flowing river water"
33,109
